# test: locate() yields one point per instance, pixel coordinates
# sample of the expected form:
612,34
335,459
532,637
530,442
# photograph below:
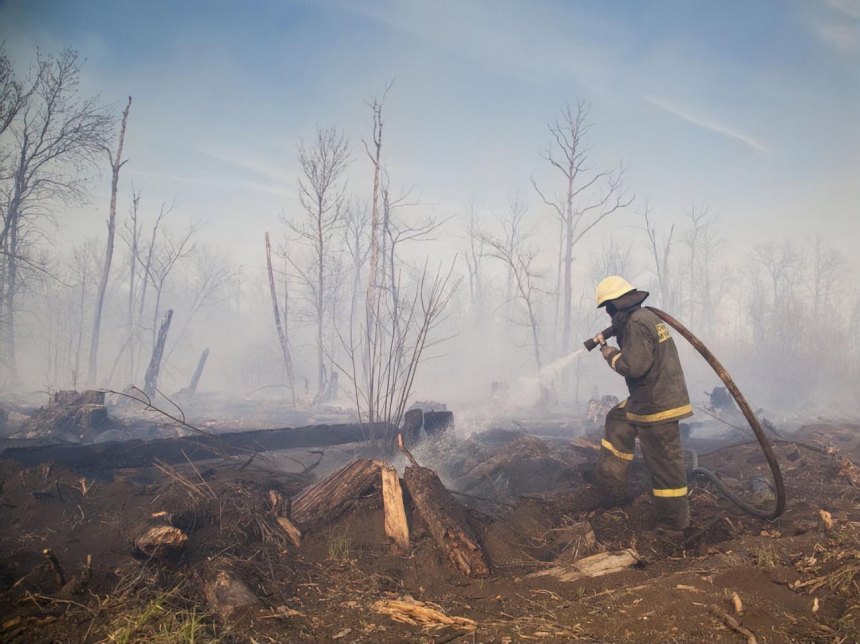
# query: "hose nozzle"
600,338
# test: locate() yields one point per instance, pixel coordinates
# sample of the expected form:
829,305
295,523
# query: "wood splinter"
733,624
281,510
396,526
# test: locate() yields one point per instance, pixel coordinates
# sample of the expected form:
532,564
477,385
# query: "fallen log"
321,503
594,566
446,520
138,453
396,527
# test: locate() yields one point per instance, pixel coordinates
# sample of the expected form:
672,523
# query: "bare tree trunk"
116,164
9,358
195,379
568,275
151,379
321,378
374,212
580,211
372,300
79,340
282,338
558,294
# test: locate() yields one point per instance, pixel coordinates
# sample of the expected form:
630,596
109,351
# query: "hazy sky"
752,108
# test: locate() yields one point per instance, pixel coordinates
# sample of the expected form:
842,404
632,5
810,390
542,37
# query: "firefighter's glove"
611,355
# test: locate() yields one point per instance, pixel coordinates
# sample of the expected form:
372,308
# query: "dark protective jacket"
648,360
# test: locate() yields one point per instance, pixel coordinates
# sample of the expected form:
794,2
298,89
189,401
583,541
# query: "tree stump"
411,426
446,520
438,422
228,596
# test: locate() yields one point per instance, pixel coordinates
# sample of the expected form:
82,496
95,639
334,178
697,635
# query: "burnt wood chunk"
321,503
437,422
603,563
446,520
396,527
78,398
411,426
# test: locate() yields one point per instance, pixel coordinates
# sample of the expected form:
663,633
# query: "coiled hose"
766,447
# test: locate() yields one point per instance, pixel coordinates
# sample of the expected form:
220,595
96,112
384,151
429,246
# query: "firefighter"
648,359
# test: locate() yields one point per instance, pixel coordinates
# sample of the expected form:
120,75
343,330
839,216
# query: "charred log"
137,453
325,501
446,520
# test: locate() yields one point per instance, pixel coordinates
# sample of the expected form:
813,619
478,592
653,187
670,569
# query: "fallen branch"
405,451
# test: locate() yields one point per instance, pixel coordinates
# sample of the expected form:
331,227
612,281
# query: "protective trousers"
661,447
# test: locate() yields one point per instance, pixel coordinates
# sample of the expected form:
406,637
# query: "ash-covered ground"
74,566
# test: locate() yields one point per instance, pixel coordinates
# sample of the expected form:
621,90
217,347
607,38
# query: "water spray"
710,358
556,366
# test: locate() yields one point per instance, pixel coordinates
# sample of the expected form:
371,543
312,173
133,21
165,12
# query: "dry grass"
340,547
166,619
766,556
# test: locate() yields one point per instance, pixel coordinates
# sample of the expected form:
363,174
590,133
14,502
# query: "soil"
797,579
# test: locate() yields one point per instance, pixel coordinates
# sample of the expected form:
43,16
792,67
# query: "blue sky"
752,108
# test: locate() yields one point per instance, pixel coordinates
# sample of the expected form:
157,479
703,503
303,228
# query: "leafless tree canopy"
361,231
56,136
322,194
585,199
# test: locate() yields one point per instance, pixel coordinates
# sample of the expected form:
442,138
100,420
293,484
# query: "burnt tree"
151,378
116,164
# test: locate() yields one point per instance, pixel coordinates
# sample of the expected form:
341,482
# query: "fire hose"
747,411
754,423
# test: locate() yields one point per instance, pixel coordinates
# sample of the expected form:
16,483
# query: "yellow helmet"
611,288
